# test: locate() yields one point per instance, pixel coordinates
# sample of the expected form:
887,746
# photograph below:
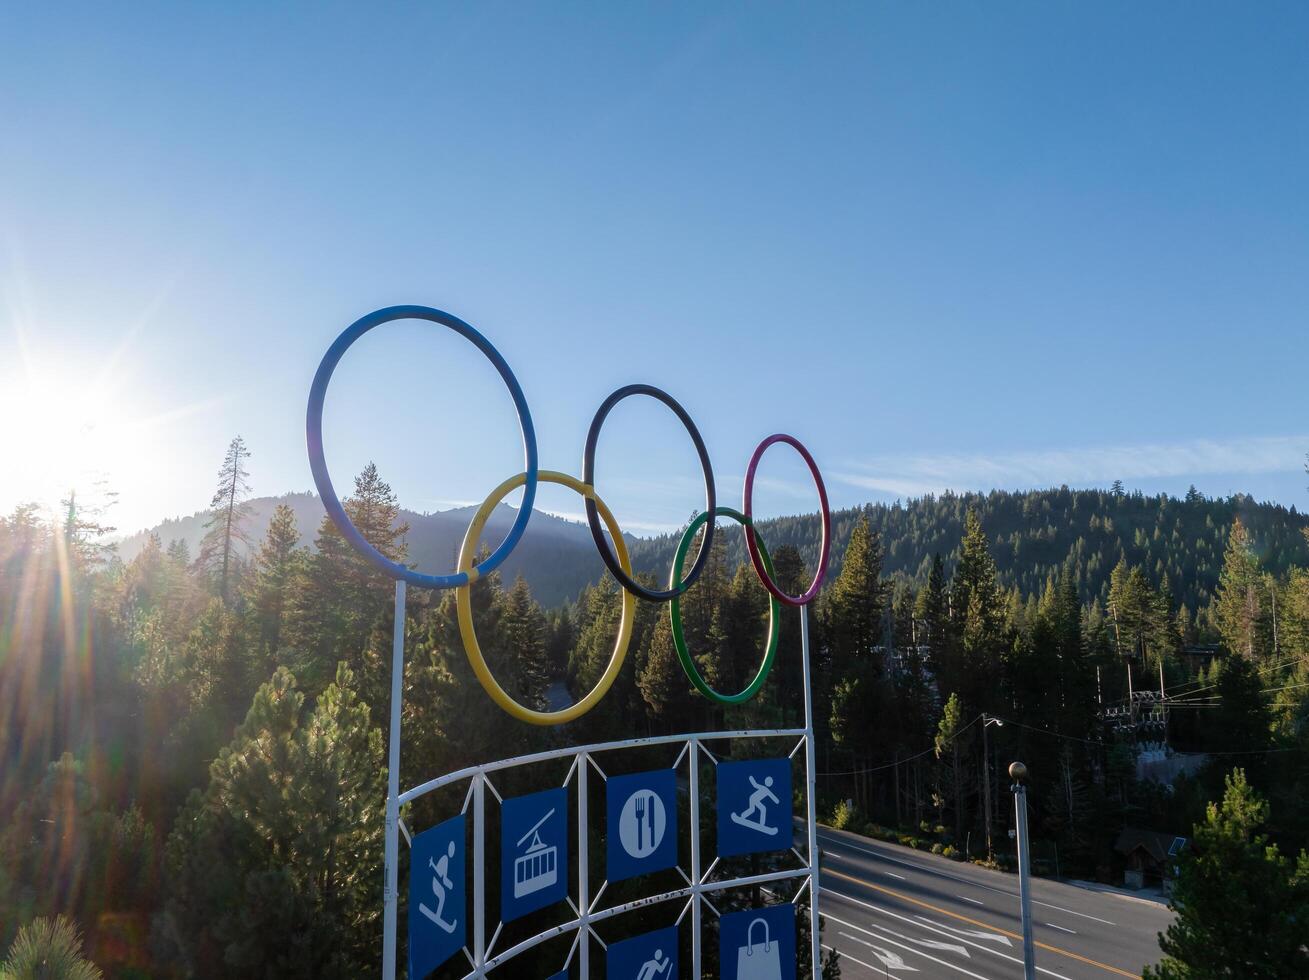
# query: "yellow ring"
464,604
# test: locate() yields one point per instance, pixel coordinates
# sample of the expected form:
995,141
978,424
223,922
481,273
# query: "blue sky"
947,245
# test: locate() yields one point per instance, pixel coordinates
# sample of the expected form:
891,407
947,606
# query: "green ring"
675,616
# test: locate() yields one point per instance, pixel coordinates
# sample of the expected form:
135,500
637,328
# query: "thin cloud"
913,476
629,527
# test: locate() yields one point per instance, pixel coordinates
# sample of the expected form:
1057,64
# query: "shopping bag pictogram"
758,961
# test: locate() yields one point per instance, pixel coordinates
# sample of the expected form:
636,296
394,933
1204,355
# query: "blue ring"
323,480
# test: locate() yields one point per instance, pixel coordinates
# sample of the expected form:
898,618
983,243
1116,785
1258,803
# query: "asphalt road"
895,912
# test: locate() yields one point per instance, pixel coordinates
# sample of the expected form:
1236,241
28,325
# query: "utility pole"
1018,773
987,722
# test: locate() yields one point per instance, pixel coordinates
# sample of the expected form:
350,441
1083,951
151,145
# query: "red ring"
755,558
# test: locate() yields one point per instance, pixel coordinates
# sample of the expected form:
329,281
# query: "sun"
62,433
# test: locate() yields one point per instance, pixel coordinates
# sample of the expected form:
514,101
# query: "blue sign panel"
758,944
642,823
561,975
533,852
438,906
652,956
754,806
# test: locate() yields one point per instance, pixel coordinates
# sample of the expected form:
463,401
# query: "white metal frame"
483,957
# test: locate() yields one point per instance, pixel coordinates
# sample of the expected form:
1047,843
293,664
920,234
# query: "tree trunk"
958,797
918,797
898,817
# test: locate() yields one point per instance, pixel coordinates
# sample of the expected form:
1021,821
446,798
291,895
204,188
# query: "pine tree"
341,604
977,621
228,516
83,531
856,603
523,636
273,867
1242,722
1241,906
950,736
933,611
854,630
275,566
48,949
663,680
451,720
560,637
1240,600
784,687
179,552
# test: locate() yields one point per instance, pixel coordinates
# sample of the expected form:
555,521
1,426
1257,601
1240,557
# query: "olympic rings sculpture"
598,517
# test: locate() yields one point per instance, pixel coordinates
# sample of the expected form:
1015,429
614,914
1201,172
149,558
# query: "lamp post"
987,722
1018,773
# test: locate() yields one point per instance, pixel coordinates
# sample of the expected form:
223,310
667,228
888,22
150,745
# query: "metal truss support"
391,886
811,802
484,958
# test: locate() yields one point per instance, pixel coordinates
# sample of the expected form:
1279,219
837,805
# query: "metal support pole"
697,911
583,870
815,940
479,875
391,887
1019,773
986,783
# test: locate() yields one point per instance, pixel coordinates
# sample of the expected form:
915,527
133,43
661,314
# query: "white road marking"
916,952
854,959
1071,912
892,961
1061,928
934,944
975,933
929,943
895,876
918,925
973,900
945,874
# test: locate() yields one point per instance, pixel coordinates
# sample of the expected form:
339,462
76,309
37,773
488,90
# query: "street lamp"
987,722
1018,773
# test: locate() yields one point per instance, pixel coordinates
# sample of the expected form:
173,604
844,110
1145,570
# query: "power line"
1258,673
1071,738
910,758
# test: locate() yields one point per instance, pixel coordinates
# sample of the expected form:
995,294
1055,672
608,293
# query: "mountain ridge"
1032,534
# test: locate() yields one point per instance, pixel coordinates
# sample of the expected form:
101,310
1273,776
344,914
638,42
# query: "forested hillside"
192,756
556,556
1031,535
1177,542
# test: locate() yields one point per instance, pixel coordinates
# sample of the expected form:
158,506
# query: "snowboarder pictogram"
757,806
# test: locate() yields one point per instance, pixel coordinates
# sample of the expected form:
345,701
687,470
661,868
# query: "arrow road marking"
891,961
971,933
934,944
830,894
852,959
832,872
909,949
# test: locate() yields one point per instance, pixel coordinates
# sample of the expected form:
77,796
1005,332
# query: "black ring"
593,515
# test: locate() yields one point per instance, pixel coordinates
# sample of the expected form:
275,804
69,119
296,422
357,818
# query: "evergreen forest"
193,764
